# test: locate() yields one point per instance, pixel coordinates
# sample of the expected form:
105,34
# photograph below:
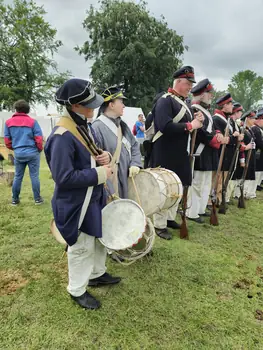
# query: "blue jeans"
33,162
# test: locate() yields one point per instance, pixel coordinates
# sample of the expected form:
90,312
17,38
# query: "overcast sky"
224,36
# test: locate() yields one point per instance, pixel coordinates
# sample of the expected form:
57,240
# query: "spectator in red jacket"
24,135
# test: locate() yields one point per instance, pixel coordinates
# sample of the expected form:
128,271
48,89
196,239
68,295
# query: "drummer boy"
75,172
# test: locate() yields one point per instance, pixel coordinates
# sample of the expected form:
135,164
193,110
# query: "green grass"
189,295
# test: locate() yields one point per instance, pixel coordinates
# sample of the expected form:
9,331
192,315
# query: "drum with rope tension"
155,189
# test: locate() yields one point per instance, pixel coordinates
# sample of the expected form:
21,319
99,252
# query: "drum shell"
158,189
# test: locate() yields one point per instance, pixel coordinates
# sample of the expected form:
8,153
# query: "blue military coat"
70,165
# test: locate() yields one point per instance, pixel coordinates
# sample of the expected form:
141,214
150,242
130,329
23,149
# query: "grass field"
206,293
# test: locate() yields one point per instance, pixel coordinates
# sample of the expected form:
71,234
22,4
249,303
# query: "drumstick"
136,191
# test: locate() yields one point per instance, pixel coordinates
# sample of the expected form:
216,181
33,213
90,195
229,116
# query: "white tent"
47,123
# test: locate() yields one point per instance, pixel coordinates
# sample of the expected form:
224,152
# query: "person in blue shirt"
24,135
140,128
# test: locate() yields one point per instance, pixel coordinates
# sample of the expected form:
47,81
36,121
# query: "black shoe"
163,233
104,280
205,215
39,201
87,301
209,207
173,224
15,202
259,188
197,220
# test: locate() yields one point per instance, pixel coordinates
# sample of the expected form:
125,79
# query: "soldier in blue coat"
174,123
79,193
207,143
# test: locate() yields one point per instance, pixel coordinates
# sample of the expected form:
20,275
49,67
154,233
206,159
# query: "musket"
213,216
184,229
241,200
232,169
90,143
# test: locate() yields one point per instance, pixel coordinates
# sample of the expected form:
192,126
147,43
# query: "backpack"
134,130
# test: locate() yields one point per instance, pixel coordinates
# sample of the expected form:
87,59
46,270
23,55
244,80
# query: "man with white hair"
208,141
174,122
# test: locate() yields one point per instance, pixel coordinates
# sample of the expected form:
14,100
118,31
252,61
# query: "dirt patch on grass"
259,271
243,284
259,315
10,281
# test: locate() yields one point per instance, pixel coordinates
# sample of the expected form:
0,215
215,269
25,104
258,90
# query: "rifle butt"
241,202
213,216
222,208
184,229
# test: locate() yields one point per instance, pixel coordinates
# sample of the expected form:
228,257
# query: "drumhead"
123,224
150,190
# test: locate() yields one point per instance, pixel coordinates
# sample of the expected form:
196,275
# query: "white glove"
134,170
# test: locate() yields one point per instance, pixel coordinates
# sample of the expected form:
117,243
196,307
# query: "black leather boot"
173,224
104,280
163,233
87,301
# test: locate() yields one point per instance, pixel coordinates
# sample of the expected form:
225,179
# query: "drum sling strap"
115,162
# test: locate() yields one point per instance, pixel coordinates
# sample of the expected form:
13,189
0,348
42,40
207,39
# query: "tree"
246,87
27,46
131,48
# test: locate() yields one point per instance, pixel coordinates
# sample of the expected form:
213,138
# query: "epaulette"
60,130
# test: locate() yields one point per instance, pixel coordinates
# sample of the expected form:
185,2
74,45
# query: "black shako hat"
203,86
224,99
186,72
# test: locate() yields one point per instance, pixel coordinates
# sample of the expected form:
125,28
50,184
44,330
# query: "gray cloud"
223,36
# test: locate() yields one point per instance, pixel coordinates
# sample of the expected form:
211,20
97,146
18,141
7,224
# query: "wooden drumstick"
136,191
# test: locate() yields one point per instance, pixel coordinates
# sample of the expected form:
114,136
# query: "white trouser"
250,188
160,219
259,177
199,193
86,260
247,189
231,187
237,189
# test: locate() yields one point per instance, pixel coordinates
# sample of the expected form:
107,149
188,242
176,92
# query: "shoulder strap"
113,128
87,198
69,124
206,112
179,116
116,156
181,102
224,119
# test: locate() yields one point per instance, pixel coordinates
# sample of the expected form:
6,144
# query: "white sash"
201,146
177,118
87,197
110,124
225,120
236,126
